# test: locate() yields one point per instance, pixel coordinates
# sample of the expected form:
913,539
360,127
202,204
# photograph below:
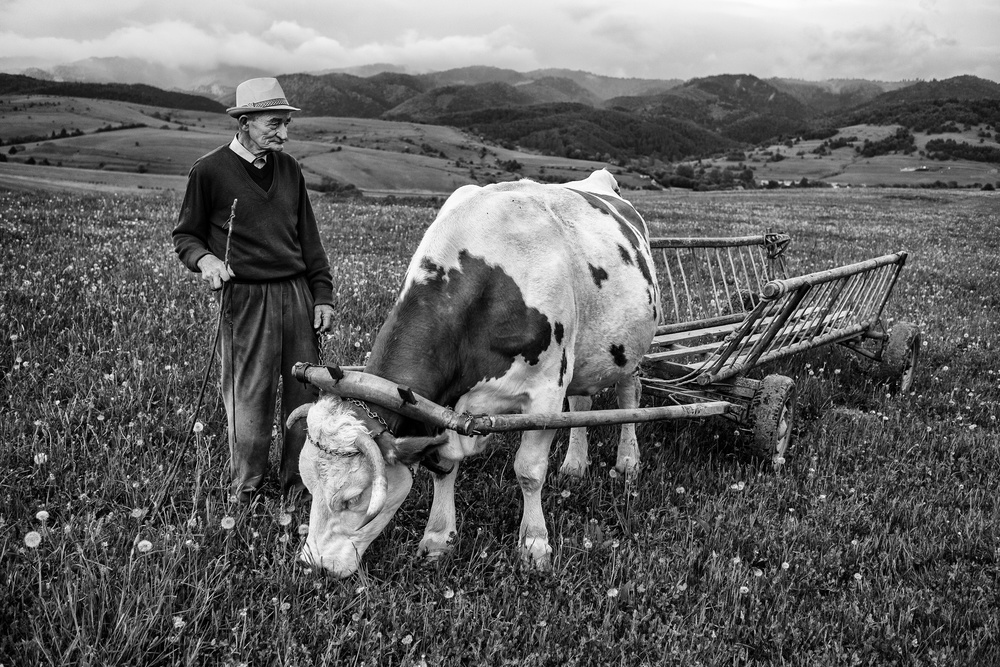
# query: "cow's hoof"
433,547
629,467
537,553
574,468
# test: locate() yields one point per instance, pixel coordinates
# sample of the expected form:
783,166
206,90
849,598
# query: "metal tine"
711,278
687,290
699,281
670,279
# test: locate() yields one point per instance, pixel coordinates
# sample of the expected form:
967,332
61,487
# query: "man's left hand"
323,318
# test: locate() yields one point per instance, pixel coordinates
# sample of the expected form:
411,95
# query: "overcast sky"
809,39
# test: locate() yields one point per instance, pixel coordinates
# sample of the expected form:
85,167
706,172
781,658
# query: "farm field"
876,544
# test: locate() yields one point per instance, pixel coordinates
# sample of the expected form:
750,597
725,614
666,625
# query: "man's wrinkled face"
267,131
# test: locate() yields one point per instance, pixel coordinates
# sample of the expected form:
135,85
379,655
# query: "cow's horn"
297,414
379,482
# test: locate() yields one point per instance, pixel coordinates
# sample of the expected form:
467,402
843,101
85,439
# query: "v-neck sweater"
274,235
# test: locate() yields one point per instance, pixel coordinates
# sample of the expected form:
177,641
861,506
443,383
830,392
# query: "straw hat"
264,94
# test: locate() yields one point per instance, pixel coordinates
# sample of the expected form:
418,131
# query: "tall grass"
876,544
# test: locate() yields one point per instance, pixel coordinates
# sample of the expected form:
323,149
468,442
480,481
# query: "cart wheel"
771,416
901,353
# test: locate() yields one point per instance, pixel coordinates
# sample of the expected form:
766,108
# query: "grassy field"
876,544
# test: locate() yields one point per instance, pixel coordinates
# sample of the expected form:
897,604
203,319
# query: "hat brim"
236,112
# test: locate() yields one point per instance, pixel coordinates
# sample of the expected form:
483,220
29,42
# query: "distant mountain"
223,79
740,107
928,106
135,93
834,94
608,87
582,132
349,95
959,87
454,99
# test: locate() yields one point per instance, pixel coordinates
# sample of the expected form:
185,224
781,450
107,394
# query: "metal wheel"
771,417
901,352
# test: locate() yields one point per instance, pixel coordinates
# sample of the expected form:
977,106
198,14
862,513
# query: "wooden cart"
731,308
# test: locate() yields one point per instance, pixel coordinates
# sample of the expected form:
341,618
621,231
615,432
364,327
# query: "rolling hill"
429,133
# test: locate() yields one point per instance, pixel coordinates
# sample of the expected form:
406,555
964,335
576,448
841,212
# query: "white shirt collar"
240,150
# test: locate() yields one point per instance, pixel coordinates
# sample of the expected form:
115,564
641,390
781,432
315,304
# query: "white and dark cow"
518,296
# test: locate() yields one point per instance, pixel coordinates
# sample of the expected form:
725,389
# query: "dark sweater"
274,237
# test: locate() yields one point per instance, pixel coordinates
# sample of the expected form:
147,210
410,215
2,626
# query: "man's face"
267,131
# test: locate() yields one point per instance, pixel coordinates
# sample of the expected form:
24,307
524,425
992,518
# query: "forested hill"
16,84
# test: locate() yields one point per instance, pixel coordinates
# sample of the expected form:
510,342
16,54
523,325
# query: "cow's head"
356,484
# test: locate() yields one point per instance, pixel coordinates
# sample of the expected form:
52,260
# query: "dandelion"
179,623
857,577
565,493
738,486
448,594
285,606
822,496
612,592
144,546
198,427
757,572
779,460
785,565
42,516
407,640
32,540
41,458
303,529
744,590
587,543
682,586
138,513
285,519
680,490
228,523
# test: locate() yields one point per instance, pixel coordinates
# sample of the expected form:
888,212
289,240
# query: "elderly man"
272,270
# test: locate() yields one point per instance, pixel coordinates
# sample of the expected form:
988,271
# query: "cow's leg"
530,466
575,463
441,524
628,390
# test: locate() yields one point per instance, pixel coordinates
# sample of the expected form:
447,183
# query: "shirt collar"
240,150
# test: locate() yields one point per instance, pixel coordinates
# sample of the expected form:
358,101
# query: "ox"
519,296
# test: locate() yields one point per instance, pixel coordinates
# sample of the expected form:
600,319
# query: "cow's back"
578,259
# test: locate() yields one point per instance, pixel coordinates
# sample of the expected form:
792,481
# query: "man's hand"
214,271
323,317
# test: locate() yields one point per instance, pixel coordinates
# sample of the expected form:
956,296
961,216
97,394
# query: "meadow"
876,543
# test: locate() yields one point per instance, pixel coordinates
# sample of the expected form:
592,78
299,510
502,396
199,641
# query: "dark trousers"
266,329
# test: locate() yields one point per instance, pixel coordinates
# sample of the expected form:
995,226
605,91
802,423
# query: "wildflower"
41,458
587,543
138,513
179,623
612,592
448,594
144,546
757,572
32,540
565,493
682,586
285,606
744,590
785,565
738,486
198,427
42,516
284,519
228,523
407,640
779,460
680,490
857,577
303,529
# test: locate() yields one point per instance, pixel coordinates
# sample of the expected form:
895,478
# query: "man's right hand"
214,271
